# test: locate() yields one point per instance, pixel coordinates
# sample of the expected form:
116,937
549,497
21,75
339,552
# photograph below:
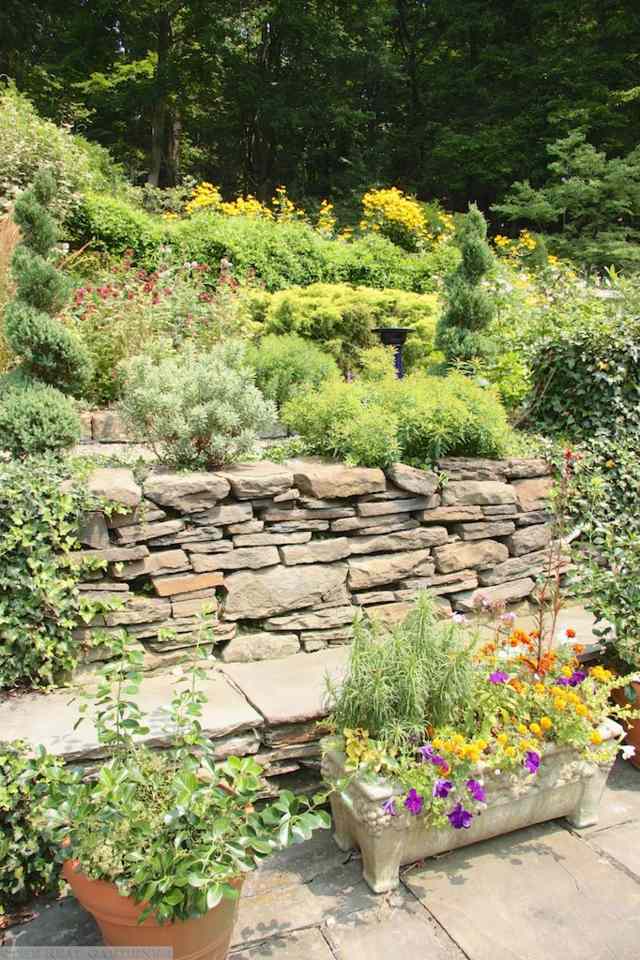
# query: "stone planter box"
566,785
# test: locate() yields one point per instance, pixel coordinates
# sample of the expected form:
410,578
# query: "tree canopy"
450,100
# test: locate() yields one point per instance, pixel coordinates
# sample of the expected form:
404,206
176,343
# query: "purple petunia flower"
389,807
563,682
413,802
531,761
476,790
459,818
429,755
442,788
576,678
498,676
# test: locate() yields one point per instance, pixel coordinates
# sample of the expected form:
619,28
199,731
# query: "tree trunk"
165,129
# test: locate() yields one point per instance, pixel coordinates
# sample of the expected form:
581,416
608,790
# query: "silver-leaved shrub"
196,410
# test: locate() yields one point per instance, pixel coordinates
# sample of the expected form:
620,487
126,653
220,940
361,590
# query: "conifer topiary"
48,353
462,329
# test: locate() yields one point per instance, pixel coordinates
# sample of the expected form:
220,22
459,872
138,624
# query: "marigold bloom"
546,723
536,729
596,738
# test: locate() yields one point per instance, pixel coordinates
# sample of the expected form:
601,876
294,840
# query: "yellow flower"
581,710
510,752
599,673
546,723
539,687
536,729
522,729
596,738
566,671
502,738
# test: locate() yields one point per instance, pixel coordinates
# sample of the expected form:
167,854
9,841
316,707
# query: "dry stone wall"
289,554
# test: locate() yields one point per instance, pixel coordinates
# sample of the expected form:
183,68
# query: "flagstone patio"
544,893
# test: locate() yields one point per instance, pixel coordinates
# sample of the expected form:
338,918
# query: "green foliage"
35,418
342,318
423,673
603,498
589,204
417,420
278,254
462,329
123,308
113,224
40,605
28,143
587,379
27,855
196,409
286,364
42,418
172,827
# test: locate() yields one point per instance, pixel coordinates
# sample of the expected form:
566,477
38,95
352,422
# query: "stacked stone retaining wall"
289,554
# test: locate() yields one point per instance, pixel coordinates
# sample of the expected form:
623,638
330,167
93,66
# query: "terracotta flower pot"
632,727
202,938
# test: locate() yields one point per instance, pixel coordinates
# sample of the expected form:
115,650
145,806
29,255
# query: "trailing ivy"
41,503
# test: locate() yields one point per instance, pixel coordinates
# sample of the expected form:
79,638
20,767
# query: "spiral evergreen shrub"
48,354
284,365
462,329
196,410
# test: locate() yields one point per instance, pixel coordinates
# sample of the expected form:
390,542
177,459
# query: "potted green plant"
157,843
442,740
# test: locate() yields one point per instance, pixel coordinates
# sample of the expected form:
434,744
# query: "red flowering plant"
129,309
443,708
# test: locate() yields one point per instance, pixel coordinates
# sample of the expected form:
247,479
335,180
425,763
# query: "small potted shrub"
442,740
156,845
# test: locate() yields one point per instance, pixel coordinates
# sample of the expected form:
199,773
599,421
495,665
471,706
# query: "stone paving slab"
622,844
301,945
48,719
291,690
396,926
620,800
539,893
331,896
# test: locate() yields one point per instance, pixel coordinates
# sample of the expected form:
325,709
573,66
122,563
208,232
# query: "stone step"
245,702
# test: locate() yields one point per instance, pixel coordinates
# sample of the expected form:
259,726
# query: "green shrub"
35,418
284,365
113,224
196,409
41,504
278,254
27,854
342,318
47,352
28,143
462,329
416,420
587,379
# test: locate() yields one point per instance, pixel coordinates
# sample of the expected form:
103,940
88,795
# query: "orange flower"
570,632
517,685
578,648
